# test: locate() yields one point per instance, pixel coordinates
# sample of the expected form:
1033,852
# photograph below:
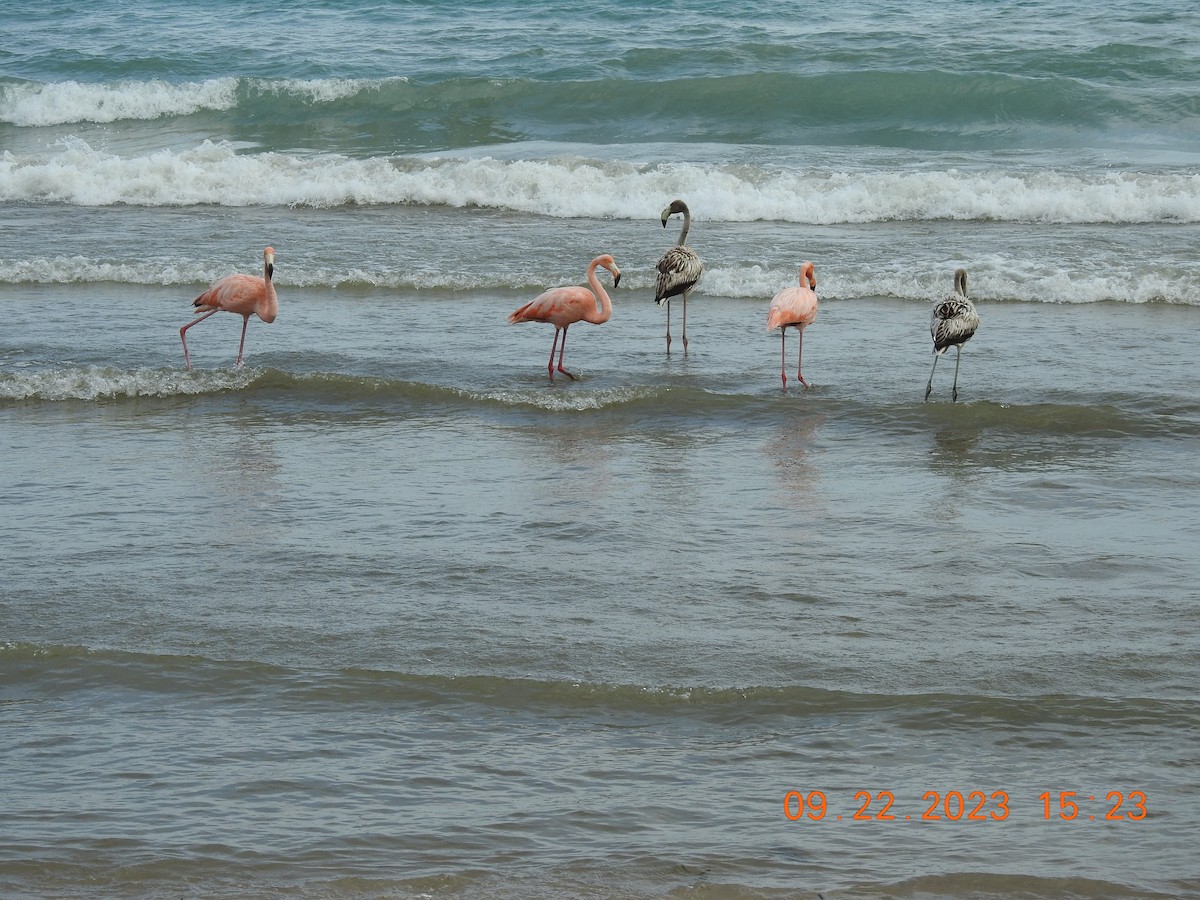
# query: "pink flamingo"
241,294
563,306
795,306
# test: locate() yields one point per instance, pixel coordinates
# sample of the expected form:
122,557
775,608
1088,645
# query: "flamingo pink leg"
561,350
242,344
196,321
783,356
553,347
799,357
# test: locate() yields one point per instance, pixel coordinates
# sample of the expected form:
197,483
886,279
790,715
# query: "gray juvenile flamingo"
678,270
952,323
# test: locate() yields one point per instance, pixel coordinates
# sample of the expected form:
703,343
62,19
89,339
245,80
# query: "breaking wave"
217,173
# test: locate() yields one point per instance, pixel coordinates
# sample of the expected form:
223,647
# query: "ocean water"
387,612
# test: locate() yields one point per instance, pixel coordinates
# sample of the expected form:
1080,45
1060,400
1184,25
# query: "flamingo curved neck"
605,311
270,307
687,226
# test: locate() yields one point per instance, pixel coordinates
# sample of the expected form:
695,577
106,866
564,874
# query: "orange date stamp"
967,806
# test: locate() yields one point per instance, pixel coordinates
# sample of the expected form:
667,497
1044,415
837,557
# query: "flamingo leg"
929,384
668,325
800,356
957,360
553,347
561,351
242,344
196,321
783,356
685,293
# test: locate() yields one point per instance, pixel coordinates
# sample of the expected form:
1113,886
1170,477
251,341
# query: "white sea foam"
82,270
569,402
177,272
216,173
993,280
34,105
107,382
989,283
31,104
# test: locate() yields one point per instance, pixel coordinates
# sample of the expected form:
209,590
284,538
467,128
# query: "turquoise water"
387,613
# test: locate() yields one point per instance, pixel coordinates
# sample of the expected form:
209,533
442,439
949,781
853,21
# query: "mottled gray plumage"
954,320
951,324
679,269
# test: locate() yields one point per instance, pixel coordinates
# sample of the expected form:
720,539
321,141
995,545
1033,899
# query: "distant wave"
83,270
33,104
1004,281
565,186
905,107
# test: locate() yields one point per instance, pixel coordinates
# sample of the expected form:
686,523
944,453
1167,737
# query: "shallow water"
532,633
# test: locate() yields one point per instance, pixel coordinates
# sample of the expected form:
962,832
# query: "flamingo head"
808,275
677,206
611,264
269,260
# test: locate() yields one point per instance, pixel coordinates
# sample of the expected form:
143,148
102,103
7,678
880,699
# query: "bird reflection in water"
791,452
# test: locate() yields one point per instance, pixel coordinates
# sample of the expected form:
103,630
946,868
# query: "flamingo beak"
616,279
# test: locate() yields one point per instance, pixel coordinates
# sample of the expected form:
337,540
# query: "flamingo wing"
559,306
792,306
678,272
235,293
953,321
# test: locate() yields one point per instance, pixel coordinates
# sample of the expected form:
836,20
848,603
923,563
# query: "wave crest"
573,187
31,105
95,383
994,280
100,383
